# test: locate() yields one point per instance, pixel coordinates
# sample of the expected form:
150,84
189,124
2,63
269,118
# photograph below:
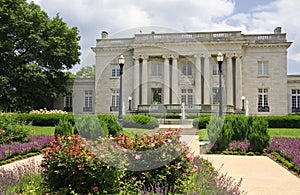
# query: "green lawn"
284,132
39,130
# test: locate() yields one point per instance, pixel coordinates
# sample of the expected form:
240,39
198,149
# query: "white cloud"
93,16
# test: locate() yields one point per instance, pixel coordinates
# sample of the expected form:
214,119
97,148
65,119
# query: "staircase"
186,125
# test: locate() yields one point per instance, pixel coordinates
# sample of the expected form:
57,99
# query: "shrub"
64,127
12,131
219,133
151,159
258,135
239,126
42,119
140,121
109,123
89,127
70,166
201,122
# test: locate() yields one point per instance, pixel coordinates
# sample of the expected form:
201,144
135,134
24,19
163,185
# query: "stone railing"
266,38
189,108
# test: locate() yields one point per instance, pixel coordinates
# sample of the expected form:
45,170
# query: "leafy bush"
64,127
140,121
70,166
201,122
12,131
109,123
158,158
42,119
290,121
258,135
88,126
219,133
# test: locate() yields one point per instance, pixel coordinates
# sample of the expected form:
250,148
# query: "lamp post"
121,61
243,103
220,58
129,103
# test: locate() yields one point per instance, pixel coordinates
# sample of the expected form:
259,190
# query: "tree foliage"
86,72
36,53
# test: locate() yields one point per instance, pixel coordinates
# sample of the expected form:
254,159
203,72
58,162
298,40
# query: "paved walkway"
260,174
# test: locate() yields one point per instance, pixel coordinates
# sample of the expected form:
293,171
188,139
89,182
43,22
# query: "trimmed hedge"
140,121
289,121
108,122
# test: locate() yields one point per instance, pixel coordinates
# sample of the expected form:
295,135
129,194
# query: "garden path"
260,174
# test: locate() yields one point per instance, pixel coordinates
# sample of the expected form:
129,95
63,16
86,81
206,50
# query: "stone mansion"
164,70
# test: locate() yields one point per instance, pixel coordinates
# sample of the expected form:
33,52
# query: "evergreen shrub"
140,121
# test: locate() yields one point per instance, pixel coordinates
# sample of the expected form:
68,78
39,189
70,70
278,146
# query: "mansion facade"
164,70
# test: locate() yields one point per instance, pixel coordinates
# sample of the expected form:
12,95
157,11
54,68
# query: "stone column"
238,82
144,83
166,81
198,79
229,83
175,80
207,80
136,83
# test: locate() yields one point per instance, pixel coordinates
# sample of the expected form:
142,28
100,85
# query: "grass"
41,130
277,132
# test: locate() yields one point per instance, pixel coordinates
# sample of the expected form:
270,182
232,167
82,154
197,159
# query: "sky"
128,17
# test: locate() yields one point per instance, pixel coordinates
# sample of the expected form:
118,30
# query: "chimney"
104,35
277,30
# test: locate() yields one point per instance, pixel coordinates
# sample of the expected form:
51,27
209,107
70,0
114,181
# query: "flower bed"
289,148
34,144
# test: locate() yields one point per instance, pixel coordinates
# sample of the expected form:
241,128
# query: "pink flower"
138,156
183,174
187,170
190,156
195,169
153,144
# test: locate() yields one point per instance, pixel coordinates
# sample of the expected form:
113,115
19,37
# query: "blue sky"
117,17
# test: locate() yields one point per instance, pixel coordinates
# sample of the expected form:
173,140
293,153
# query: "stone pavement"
260,174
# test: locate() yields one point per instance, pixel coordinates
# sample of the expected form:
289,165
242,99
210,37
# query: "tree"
86,72
36,53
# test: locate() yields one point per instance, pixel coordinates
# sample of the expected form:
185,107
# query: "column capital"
136,57
237,55
144,57
174,56
165,56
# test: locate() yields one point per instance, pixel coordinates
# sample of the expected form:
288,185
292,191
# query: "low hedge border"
289,121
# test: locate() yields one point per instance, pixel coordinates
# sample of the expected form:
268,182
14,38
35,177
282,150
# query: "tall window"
115,71
296,100
216,95
88,98
114,100
156,95
68,103
156,70
187,96
263,105
187,69
263,68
